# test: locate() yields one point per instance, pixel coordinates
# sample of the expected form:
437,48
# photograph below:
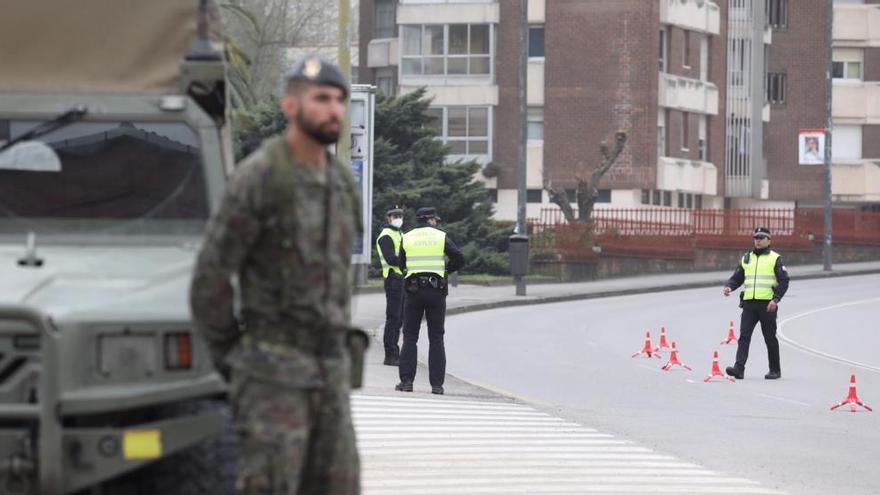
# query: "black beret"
318,70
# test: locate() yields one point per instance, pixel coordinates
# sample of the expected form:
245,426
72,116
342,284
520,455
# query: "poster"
811,147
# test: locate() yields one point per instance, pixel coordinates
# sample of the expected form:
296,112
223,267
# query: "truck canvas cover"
120,46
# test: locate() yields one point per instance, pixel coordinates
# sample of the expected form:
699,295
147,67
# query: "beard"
317,131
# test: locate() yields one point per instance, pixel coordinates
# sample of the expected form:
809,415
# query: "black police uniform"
426,296
754,311
393,297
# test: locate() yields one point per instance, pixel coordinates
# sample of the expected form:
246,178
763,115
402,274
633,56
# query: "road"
572,361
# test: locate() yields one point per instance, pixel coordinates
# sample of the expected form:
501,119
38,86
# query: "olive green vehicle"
114,150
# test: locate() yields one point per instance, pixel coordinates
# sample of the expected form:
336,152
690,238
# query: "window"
846,70
664,49
661,132
464,129
667,198
703,140
453,49
846,142
604,196
777,13
534,196
385,19
655,197
536,42
690,201
646,197
492,195
536,125
681,200
776,88
686,50
685,130
698,201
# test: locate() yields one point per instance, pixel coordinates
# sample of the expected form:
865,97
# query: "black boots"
438,390
773,375
734,372
391,361
404,387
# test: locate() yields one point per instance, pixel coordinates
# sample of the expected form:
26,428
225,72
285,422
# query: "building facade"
690,81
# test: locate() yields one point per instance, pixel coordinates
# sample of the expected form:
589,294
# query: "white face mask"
397,223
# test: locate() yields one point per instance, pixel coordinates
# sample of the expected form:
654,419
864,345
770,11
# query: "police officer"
424,253
388,246
765,280
286,228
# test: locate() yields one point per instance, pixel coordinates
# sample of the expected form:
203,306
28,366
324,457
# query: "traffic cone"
716,370
852,398
731,335
673,360
663,343
647,349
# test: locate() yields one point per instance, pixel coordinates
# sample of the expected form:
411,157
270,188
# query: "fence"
649,229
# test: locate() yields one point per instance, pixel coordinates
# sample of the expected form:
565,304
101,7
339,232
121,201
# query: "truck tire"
207,468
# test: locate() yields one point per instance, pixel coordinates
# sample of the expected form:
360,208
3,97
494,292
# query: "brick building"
682,77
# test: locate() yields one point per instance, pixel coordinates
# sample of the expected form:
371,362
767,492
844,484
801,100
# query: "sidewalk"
368,311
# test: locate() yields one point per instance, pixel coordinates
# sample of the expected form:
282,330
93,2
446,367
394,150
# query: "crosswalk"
444,446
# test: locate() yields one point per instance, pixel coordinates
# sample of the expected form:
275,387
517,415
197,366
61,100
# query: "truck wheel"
207,468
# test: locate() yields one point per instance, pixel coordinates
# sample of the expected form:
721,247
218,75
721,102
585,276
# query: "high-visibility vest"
396,239
425,247
760,276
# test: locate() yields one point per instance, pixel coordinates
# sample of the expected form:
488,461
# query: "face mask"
397,222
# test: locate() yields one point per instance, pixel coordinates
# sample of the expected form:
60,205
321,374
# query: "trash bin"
518,248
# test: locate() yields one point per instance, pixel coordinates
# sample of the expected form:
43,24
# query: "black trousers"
754,312
393,314
430,303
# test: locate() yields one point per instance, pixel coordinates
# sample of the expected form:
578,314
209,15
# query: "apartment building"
690,81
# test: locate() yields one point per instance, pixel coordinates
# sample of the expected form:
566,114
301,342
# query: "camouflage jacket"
287,231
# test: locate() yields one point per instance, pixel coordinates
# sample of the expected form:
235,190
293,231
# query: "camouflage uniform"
287,230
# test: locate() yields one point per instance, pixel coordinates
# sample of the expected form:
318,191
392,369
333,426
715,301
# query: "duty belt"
429,280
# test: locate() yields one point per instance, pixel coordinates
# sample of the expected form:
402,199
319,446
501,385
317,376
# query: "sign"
811,146
363,98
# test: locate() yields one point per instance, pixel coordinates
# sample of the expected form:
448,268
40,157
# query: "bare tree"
260,33
587,191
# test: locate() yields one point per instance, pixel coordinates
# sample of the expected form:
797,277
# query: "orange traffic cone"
663,343
716,370
673,360
731,335
852,398
647,349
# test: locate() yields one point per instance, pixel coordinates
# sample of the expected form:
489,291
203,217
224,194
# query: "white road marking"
783,399
433,446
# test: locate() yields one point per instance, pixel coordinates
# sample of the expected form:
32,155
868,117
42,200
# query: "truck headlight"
127,356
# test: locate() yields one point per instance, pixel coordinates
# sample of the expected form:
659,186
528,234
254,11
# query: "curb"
627,292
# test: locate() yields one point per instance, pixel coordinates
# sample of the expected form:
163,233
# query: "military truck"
114,150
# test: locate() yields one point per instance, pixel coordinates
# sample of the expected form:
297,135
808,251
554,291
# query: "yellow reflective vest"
396,239
425,247
760,276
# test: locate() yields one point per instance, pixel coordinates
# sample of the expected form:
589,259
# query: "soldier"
764,280
422,254
286,228
388,247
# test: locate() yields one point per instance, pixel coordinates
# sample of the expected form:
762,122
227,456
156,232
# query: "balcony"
447,12
855,181
856,25
686,94
692,176
384,52
856,103
695,15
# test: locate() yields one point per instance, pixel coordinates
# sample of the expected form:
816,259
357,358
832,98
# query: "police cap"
318,70
762,232
427,212
394,210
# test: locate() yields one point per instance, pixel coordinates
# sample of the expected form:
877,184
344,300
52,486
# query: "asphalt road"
573,360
